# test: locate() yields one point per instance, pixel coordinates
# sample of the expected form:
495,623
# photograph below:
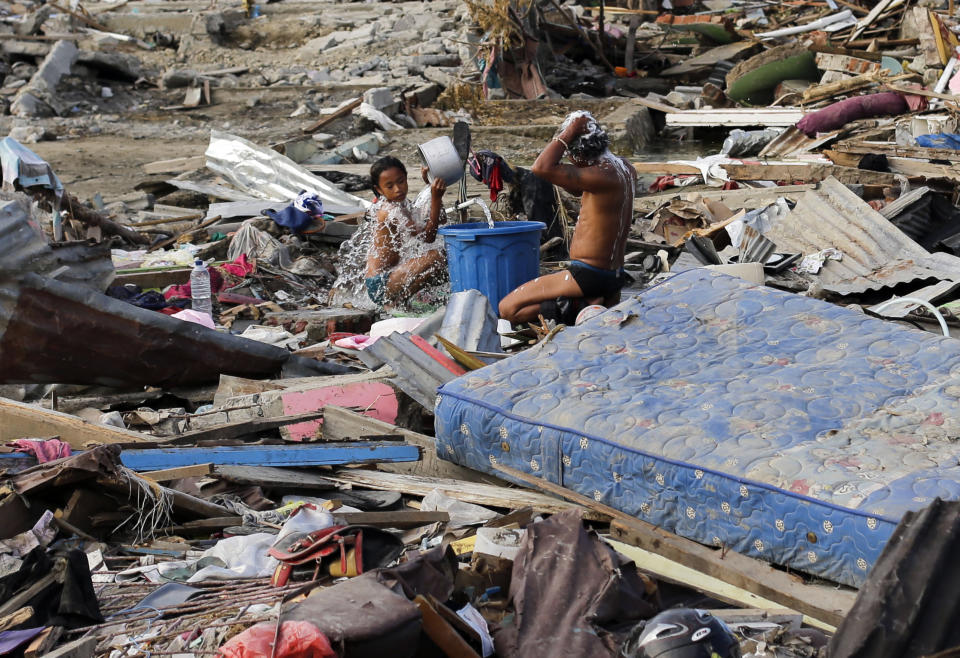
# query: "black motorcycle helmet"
681,633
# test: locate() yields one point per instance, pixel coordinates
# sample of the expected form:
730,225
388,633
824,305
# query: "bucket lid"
473,230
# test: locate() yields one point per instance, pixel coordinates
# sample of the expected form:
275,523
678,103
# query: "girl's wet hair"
380,166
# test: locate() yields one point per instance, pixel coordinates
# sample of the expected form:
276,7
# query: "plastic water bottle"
200,288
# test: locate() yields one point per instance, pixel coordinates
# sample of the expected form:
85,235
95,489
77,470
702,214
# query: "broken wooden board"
736,117
828,605
271,455
169,474
748,198
242,428
907,166
891,149
663,568
469,492
176,165
276,478
19,421
809,172
369,391
400,519
342,424
345,109
212,190
710,58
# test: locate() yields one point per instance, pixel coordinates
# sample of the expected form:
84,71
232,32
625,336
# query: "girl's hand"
437,188
424,174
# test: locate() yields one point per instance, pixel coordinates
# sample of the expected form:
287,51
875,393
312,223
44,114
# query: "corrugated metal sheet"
21,241
894,208
929,293
55,332
418,374
23,248
793,141
876,254
470,323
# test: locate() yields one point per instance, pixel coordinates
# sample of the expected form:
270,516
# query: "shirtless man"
606,184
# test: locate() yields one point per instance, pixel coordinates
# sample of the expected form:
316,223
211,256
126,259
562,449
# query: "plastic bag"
259,245
297,639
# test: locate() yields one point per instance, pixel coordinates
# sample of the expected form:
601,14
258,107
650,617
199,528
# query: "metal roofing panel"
876,254
418,375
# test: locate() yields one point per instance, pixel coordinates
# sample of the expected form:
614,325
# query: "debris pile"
221,437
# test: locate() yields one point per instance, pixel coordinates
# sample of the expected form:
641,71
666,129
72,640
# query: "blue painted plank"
361,452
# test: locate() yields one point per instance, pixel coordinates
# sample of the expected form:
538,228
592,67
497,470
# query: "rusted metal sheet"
54,332
876,254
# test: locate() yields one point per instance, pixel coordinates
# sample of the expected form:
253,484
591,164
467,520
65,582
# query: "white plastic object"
442,160
499,542
200,294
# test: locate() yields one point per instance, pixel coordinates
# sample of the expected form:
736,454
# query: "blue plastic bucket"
492,260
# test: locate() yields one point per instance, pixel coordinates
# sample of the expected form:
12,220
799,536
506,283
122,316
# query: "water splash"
407,220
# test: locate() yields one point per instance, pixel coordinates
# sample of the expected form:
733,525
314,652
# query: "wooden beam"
176,165
469,492
204,526
16,618
399,519
668,570
242,428
738,116
19,421
441,632
275,478
341,424
336,114
166,475
810,172
271,455
745,572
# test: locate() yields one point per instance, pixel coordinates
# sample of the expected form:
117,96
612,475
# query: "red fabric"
219,276
297,639
731,185
843,112
663,183
495,183
45,450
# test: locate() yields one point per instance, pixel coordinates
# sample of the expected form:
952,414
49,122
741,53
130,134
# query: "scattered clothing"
300,214
859,107
491,170
44,450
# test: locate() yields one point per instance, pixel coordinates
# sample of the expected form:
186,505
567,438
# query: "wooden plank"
735,117
776,171
176,165
41,645
791,621
400,519
442,633
242,428
203,526
82,648
340,424
18,421
827,605
892,149
743,198
275,478
343,111
16,618
271,455
166,475
710,58
675,572
469,492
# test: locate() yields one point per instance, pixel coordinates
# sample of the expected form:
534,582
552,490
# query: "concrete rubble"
304,472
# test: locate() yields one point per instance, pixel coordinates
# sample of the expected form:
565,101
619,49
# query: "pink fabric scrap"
45,450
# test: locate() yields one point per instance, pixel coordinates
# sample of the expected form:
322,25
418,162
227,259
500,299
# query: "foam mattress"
779,426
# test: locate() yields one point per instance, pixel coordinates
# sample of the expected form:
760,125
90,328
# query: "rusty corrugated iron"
55,332
876,254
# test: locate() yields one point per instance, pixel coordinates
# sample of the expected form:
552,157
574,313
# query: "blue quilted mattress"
779,426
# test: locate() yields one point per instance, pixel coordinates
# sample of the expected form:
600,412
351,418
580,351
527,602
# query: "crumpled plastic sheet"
296,639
